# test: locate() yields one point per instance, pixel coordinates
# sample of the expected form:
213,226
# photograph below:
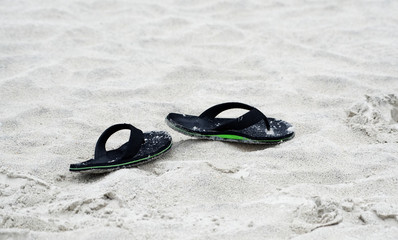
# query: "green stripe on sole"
227,136
122,164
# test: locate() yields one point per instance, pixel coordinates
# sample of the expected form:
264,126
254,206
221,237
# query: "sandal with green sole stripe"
141,148
252,127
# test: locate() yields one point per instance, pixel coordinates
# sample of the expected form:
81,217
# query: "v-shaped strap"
133,145
246,120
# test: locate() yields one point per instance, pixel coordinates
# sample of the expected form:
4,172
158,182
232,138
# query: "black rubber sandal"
252,127
141,148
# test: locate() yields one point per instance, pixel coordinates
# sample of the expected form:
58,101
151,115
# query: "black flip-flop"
141,148
252,127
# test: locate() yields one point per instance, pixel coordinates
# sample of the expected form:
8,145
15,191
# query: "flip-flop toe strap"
132,147
246,120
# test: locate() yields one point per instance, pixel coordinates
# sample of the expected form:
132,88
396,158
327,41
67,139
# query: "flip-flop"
252,127
141,148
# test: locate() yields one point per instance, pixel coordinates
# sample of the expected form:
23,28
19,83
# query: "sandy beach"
71,69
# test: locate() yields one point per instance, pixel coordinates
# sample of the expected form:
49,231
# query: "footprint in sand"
315,214
377,117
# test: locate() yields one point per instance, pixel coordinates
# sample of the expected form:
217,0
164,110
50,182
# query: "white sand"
70,69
